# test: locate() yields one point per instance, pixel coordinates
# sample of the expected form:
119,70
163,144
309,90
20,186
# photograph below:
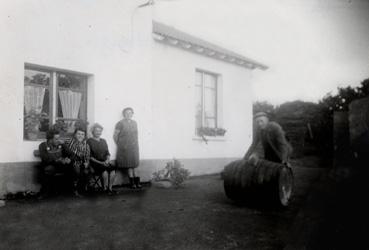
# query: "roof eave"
167,35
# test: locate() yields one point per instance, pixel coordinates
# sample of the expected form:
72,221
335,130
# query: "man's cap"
260,114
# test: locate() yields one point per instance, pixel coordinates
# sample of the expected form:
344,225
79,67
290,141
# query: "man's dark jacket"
275,138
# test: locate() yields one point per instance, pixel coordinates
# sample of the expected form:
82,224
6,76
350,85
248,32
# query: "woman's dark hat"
260,114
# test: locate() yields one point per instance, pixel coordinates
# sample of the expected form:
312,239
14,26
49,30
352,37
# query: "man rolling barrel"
269,139
263,175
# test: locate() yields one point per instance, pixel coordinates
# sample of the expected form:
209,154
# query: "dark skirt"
99,168
127,157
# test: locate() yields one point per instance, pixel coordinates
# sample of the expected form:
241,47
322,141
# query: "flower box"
206,131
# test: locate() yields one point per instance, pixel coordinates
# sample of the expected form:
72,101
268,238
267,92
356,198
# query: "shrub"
173,172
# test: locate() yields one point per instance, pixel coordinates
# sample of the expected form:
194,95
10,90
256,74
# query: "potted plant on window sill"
62,127
204,132
32,123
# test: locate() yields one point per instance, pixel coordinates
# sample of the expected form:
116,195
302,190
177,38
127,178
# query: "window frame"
84,90
216,89
53,92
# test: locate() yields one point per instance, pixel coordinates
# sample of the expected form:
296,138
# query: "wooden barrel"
266,181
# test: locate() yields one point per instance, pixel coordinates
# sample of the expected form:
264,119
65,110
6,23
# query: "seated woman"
100,158
53,160
78,151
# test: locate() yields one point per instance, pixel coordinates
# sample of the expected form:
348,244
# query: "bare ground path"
198,216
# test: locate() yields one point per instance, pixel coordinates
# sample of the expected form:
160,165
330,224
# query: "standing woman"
126,138
78,151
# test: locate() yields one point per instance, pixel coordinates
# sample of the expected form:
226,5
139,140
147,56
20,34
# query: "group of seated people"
77,157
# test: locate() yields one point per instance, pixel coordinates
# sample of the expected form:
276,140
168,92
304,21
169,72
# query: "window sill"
36,140
209,138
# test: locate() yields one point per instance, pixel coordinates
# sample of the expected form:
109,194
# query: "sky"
311,46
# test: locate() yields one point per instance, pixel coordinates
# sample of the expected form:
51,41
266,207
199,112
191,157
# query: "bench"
36,153
94,181
59,179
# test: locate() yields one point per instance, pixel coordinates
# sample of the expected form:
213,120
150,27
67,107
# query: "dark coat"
127,143
49,154
274,137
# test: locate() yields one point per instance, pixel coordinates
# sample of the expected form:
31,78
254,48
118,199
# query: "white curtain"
70,102
34,98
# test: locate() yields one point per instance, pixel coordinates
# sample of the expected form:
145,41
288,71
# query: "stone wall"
341,139
359,130
358,118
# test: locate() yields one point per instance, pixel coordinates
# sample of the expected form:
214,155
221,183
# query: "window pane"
36,103
210,102
71,95
206,100
69,81
210,81
198,78
210,122
198,107
71,99
36,77
45,121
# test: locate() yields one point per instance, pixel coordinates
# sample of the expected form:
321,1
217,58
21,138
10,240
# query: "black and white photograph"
184,124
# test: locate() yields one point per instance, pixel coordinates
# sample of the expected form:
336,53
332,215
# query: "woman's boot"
132,183
75,189
137,182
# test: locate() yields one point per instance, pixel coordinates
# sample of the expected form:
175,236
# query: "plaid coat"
78,152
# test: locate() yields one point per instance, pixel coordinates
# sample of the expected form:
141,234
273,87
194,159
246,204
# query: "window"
52,97
206,100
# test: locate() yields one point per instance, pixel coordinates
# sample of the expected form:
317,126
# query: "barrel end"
285,186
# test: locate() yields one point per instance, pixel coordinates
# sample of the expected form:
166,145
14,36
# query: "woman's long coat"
127,144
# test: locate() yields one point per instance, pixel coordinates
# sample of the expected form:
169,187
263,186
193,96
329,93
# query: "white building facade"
71,61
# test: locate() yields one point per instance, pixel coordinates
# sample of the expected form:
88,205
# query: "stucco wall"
174,106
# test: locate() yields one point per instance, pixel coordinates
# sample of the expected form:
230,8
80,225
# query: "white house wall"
174,109
93,37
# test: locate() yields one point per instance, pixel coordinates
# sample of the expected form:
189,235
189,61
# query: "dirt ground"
335,214
197,216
